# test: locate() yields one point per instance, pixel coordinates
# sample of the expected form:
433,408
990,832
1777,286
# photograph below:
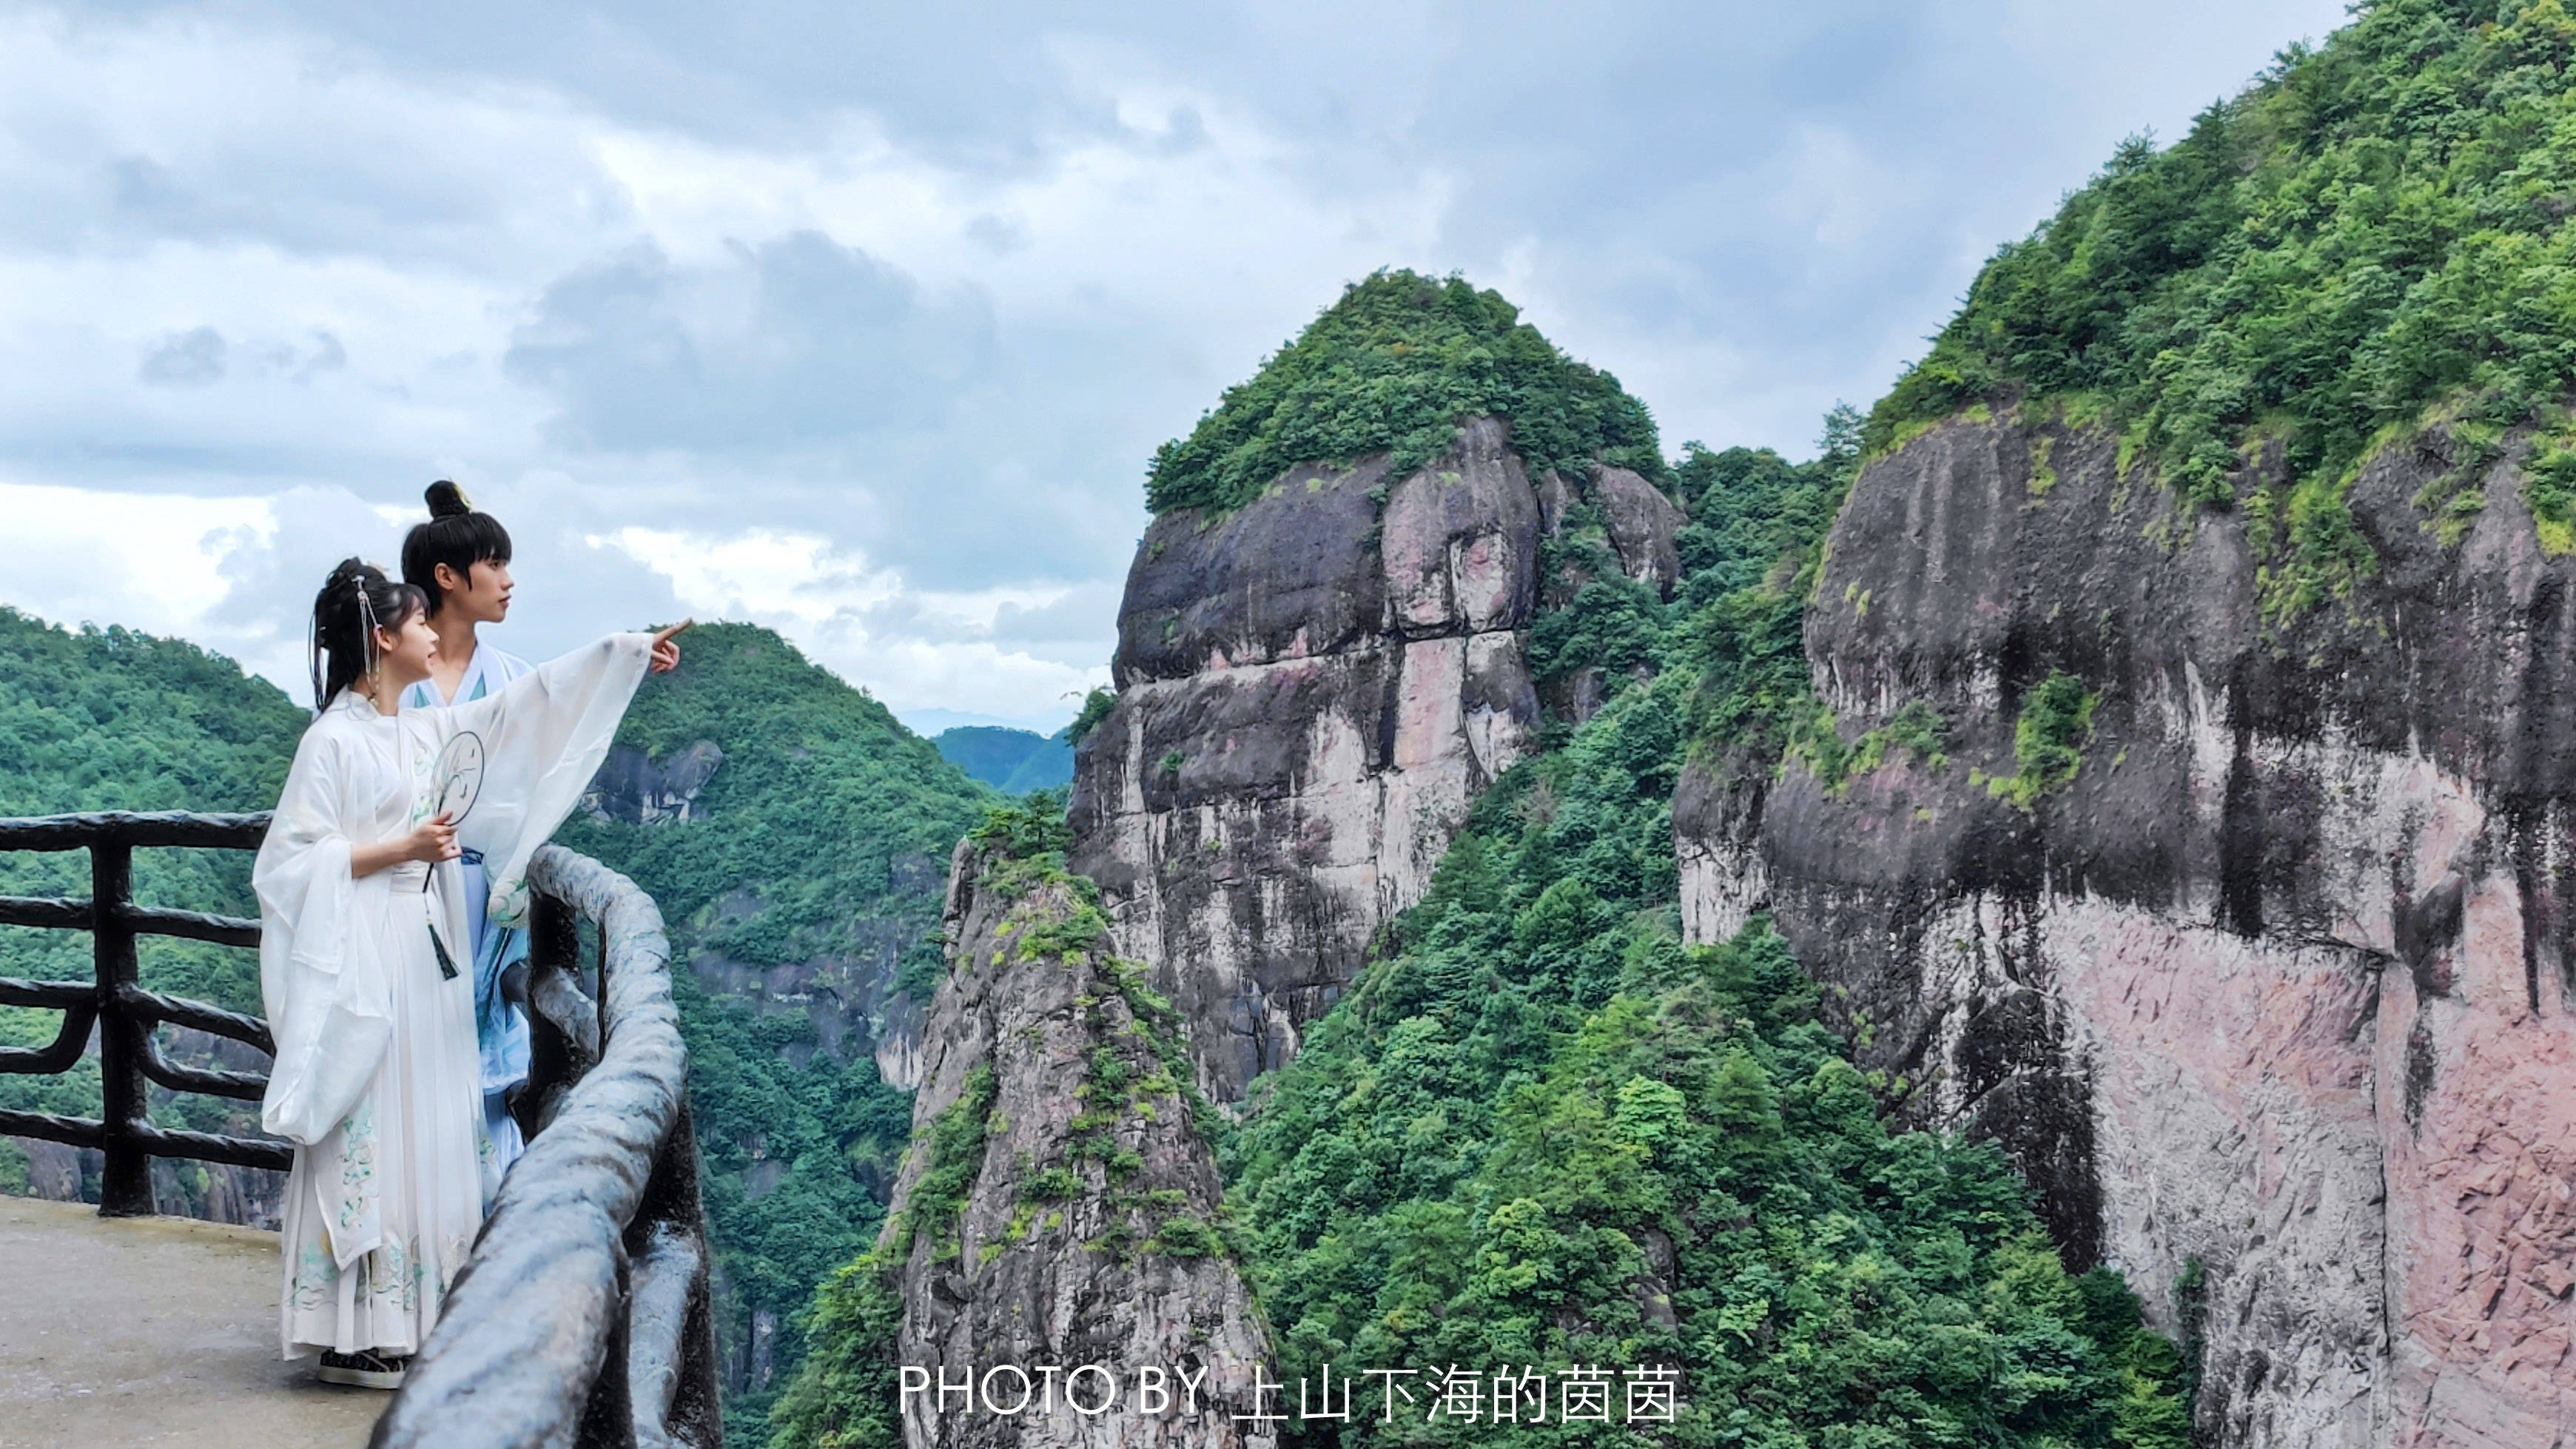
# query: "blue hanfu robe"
500,1027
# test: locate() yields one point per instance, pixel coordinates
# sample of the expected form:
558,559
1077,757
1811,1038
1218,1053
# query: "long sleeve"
321,975
544,735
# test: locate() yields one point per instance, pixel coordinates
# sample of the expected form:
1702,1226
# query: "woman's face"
482,595
403,655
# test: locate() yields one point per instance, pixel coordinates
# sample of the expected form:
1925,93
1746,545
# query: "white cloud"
942,656
148,561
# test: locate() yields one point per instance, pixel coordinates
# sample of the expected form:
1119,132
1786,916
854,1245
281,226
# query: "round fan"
459,775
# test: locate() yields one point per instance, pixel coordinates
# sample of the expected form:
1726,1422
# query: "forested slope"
108,719
2366,244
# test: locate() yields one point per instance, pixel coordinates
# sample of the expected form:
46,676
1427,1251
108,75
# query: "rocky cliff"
2234,899
1312,690
1059,1208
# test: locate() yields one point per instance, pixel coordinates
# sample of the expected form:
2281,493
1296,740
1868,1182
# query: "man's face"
482,595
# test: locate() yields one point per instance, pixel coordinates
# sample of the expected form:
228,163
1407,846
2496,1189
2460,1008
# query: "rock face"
632,788
2282,981
1313,689
1085,1231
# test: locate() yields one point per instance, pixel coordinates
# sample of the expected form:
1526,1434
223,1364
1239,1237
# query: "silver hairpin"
367,611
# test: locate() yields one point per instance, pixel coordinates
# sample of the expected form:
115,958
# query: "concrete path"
121,1331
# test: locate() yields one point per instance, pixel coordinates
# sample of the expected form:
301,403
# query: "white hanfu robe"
499,1025
377,1078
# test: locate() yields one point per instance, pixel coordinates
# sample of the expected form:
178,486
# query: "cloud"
793,340
918,650
192,358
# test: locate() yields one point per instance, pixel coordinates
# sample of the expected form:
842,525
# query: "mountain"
108,719
1012,761
1375,842
1318,676
2186,800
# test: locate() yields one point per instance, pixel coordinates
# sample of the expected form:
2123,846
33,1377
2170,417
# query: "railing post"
554,1062
125,1187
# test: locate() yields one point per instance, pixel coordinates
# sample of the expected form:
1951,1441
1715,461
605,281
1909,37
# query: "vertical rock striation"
1059,1207
2281,980
1313,689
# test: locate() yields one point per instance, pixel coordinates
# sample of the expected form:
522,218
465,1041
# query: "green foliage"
1033,830
1011,761
1395,366
770,1108
2368,239
1750,558
1545,1131
2048,739
109,719
1614,623
1814,739
844,1396
2549,484
1095,708
826,820
952,1154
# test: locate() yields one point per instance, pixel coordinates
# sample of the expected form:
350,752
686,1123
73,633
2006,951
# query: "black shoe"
364,1370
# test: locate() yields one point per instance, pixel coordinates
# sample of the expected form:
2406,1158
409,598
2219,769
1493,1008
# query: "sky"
861,321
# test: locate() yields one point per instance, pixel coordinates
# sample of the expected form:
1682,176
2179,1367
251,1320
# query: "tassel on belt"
411,878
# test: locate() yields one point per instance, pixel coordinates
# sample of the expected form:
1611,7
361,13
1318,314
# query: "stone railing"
582,1317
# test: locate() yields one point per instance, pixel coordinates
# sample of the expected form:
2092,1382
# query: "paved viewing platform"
118,1331
586,1317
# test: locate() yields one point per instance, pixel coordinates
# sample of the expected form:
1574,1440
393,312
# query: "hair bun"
446,500
346,572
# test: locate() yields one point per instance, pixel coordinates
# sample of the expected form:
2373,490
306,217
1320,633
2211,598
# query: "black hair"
456,535
356,596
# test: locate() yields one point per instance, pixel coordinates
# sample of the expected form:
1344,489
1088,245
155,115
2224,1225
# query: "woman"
460,562
362,917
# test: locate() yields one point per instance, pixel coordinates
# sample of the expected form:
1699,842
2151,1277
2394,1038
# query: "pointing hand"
666,649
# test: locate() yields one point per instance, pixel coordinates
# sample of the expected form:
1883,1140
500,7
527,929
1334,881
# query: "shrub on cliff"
2369,239
1393,367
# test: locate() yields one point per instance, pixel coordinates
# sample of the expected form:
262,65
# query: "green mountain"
2366,243
1391,367
1011,761
108,719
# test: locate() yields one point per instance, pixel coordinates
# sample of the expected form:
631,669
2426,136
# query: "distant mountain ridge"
1013,761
